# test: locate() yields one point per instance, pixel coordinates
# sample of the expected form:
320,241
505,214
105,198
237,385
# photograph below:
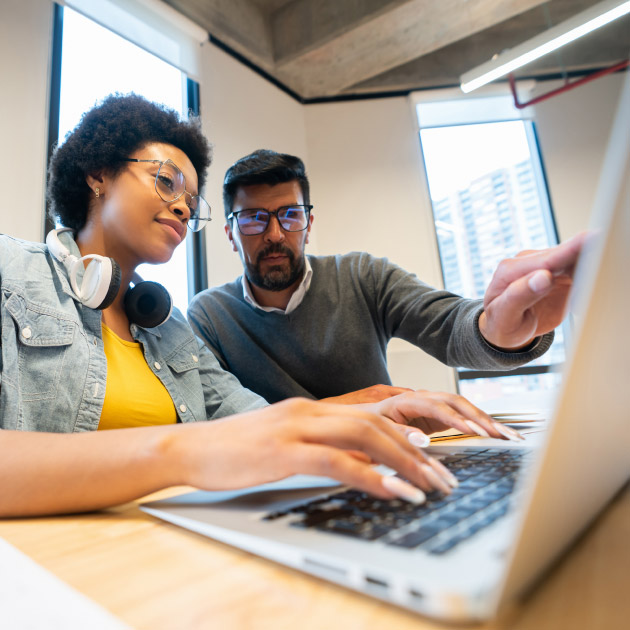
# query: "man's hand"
371,394
528,295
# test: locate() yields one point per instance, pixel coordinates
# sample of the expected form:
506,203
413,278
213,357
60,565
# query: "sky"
455,156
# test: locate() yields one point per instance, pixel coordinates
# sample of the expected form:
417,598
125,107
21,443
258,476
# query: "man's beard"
278,277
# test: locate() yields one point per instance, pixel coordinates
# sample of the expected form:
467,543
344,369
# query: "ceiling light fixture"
579,25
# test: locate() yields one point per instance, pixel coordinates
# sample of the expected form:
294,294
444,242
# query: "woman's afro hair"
106,135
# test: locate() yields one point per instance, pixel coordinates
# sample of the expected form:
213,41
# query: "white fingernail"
434,479
419,439
510,434
540,281
444,472
404,490
475,428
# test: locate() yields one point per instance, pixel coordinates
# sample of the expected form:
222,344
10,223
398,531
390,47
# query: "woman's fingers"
479,419
353,428
383,441
406,408
362,457
451,410
414,435
316,459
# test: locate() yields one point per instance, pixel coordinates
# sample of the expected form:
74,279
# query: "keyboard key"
487,478
415,538
445,546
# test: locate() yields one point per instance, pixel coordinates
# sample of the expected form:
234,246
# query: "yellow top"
134,395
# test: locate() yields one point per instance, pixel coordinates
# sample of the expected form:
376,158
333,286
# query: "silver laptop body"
582,462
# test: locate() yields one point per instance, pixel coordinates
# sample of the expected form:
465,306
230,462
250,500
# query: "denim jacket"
53,368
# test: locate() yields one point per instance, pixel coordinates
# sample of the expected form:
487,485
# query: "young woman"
81,351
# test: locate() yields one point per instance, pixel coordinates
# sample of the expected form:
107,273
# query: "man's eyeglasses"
256,220
170,185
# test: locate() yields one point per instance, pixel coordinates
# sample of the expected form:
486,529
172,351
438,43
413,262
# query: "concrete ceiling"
334,48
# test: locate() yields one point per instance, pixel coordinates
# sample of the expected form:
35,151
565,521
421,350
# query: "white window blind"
152,25
450,106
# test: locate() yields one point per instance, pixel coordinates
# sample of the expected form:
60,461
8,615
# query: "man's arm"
528,295
439,322
202,326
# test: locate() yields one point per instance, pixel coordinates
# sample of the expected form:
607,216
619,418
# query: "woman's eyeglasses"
170,185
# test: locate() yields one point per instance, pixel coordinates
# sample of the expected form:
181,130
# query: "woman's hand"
439,411
51,473
303,436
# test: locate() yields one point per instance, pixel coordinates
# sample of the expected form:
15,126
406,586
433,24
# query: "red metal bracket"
568,85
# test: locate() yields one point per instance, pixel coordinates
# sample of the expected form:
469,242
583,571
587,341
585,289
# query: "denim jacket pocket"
184,367
43,338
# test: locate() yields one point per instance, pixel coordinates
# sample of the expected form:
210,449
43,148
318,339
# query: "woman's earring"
98,192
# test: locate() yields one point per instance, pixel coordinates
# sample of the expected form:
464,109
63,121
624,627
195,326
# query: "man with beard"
318,326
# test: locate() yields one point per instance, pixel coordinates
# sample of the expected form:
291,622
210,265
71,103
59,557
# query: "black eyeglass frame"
270,213
184,192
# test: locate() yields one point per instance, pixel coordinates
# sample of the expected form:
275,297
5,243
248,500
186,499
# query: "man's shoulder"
354,263
350,259
230,292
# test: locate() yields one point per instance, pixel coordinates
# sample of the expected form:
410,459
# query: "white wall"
369,192
241,112
573,130
363,159
25,43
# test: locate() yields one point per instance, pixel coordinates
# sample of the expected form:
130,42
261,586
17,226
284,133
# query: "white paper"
32,598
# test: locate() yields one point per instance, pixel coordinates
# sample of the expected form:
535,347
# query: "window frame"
196,252
452,94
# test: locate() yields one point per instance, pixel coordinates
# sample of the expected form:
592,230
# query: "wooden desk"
154,575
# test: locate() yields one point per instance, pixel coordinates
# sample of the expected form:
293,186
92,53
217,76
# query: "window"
489,202
96,62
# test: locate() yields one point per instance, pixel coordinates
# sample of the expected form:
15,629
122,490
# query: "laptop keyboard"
486,480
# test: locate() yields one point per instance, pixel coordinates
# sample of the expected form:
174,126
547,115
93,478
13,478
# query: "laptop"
518,508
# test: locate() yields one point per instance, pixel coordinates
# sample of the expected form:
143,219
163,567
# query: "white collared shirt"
296,298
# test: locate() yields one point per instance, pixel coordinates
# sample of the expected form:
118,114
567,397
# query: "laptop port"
376,585
323,569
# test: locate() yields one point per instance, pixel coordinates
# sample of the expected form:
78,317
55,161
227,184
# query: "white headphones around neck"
147,304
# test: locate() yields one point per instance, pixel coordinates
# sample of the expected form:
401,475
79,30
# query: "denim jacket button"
183,408
27,332
157,366
195,358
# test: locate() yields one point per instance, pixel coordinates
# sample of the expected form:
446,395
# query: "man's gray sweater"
335,341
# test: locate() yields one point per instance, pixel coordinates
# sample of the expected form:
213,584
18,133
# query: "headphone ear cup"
100,283
148,304
114,286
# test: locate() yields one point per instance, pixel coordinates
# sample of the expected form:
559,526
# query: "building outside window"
490,201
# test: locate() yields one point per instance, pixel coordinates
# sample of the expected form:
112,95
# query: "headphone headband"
101,278
148,304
